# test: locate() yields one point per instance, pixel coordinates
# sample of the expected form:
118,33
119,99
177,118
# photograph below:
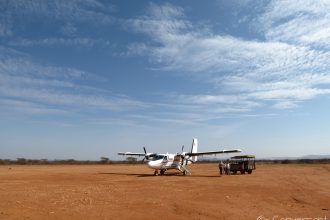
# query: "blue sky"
84,79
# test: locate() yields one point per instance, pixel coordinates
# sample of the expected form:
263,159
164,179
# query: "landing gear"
184,170
161,172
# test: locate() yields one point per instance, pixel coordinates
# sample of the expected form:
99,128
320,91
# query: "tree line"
133,160
103,160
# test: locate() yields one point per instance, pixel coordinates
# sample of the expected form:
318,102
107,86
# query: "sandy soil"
132,192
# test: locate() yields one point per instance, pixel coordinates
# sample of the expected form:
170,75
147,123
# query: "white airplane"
163,162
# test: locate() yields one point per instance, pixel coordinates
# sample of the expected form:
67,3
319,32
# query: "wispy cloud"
24,81
73,11
288,66
29,108
14,63
60,41
283,70
300,22
59,22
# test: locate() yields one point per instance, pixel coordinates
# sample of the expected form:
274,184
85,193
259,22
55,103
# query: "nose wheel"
162,172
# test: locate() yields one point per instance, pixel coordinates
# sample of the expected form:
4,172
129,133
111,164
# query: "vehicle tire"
235,172
184,173
242,171
249,171
156,173
162,172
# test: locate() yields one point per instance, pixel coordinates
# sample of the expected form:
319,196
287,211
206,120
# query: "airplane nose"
152,164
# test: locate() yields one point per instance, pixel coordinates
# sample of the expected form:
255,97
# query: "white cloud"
303,22
21,66
30,108
22,79
5,29
285,105
59,22
283,70
75,42
295,94
75,10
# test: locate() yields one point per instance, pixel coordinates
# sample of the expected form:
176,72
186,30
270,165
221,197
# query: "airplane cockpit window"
158,157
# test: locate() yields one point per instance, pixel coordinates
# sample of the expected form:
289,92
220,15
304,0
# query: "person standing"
225,168
221,167
228,168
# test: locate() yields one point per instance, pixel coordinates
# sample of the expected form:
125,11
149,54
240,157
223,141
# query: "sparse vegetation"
25,161
104,160
133,160
295,161
285,161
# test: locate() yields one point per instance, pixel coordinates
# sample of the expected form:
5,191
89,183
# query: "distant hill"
315,157
306,157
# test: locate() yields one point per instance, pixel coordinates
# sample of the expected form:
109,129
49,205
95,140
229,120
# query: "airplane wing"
213,152
137,154
131,154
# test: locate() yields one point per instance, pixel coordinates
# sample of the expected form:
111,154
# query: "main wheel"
162,172
249,171
156,173
184,173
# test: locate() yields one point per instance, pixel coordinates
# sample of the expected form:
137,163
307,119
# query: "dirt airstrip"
132,192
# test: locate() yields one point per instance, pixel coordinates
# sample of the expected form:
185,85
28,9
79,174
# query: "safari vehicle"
242,163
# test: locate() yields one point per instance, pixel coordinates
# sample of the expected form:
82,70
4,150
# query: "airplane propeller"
184,158
146,156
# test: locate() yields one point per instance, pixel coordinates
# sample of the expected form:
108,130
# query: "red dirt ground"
132,192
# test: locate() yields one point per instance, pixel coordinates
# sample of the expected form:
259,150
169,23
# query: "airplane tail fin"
194,149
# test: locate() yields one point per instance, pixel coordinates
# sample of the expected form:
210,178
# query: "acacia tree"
104,160
131,159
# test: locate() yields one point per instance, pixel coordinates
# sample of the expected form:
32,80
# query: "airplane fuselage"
165,162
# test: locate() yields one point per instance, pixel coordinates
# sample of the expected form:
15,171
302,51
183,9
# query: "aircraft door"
165,160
